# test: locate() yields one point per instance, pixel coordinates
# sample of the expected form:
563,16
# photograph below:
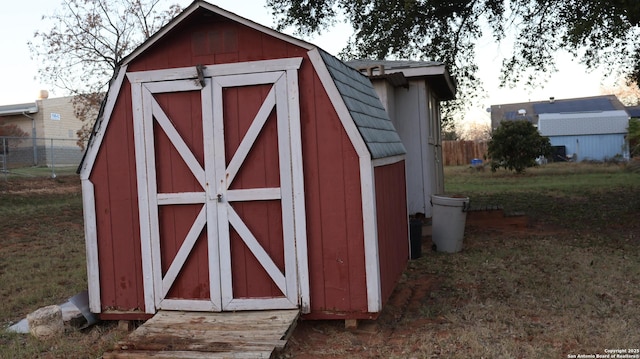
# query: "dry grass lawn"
569,283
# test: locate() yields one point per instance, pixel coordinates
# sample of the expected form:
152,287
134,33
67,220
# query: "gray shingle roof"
365,108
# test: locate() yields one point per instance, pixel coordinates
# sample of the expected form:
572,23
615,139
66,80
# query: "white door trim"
213,70
143,198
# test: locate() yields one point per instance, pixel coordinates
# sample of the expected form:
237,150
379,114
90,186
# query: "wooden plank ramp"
251,334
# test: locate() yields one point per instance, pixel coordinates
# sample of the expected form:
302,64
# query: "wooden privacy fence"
457,153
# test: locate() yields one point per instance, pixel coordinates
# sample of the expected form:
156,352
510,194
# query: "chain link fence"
35,157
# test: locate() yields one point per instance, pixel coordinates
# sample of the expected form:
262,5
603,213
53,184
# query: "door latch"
219,197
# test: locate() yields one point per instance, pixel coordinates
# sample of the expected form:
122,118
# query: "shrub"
515,145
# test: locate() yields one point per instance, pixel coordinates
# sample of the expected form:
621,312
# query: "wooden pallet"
253,334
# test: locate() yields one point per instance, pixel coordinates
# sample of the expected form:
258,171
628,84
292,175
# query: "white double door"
220,190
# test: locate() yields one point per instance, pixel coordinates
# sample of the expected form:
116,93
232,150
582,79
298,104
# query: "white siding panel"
410,121
592,147
593,123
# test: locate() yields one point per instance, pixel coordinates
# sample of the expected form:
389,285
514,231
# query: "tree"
515,145
450,135
596,31
9,132
89,38
628,93
476,131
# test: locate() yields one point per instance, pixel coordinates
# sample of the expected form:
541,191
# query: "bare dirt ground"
389,334
519,289
412,312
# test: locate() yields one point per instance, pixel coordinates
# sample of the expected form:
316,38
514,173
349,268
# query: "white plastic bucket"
449,216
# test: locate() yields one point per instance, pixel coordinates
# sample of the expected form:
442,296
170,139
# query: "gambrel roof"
357,93
365,108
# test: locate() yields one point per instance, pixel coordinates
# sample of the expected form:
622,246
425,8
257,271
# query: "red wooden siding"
333,206
250,280
392,218
116,199
213,40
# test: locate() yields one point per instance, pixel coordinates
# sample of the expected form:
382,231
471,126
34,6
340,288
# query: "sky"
19,20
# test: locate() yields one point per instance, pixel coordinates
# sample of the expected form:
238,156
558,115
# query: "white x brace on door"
214,196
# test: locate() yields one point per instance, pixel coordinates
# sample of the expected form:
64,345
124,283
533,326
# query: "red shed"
233,167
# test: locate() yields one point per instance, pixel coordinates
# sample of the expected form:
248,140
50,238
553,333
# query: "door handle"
219,198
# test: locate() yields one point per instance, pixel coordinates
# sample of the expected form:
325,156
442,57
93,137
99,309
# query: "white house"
411,92
594,136
587,128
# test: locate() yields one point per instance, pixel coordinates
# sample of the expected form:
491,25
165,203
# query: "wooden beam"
351,323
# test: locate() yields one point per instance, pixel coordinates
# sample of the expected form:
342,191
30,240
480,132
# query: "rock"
46,322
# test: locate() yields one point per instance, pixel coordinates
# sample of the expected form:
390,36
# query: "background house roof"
575,105
633,111
365,108
434,72
531,110
18,109
515,115
398,64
